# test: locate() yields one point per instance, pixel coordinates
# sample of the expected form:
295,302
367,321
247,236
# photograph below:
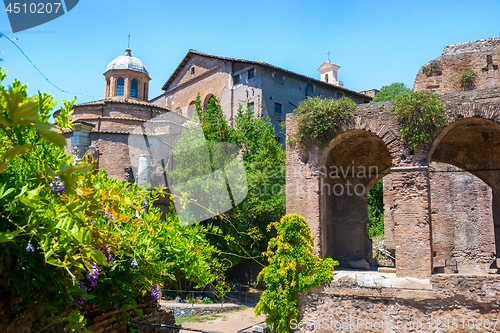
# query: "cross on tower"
129,40
328,55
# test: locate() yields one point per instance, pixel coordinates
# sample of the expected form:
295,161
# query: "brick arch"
390,139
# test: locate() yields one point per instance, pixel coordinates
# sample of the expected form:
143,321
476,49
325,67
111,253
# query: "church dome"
128,62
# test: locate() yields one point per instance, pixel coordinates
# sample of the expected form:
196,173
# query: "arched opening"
134,88
206,101
465,197
326,78
351,165
120,85
190,110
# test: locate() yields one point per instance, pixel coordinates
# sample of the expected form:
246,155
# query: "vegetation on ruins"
421,115
293,268
375,200
71,236
390,92
318,119
467,78
434,68
241,232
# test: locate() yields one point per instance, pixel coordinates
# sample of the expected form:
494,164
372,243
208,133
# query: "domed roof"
128,62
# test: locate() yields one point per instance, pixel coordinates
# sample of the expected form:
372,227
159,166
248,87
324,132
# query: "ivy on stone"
421,115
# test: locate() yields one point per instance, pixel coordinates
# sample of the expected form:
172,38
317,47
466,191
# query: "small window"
278,107
120,84
236,79
251,106
192,70
251,74
310,88
134,88
326,78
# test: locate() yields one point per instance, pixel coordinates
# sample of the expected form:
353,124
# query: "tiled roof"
122,100
194,52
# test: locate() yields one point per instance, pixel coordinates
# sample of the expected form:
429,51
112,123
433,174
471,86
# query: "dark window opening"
251,74
192,70
236,79
120,84
134,88
310,88
278,107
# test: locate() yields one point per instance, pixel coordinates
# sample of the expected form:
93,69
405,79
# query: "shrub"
207,300
318,119
467,78
293,268
434,68
421,114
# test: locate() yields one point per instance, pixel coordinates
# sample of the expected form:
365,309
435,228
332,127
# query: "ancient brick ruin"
441,203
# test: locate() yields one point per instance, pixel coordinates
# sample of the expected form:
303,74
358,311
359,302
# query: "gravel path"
228,322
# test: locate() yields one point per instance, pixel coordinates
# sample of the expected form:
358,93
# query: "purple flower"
133,264
104,249
93,275
30,248
79,299
109,216
154,291
145,204
57,186
90,223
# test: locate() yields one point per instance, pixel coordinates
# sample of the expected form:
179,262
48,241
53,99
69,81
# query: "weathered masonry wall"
373,302
426,219
482,56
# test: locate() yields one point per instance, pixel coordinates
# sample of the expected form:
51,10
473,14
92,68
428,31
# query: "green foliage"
391,92
467,78
375,201
421,115
50,238
318,119
207,300
434,68
240,231
293,268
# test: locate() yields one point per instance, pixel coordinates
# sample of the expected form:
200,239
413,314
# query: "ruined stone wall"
382,303
482,56
470,142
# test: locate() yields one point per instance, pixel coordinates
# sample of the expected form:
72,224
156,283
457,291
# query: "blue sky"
374,42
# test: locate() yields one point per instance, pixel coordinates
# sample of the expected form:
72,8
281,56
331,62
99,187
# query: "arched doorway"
465,198
352,163
207,100
190,110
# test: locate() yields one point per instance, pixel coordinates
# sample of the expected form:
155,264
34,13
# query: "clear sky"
375,43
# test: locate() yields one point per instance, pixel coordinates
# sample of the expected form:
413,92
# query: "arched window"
120,84
326,78
134,88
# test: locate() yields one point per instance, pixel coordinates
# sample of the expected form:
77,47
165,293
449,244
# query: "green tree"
293,268
391,92
240,231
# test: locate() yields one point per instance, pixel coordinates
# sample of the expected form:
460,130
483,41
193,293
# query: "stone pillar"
412,223
144,171
80,140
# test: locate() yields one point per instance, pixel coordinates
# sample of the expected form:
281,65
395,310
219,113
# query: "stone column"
144,171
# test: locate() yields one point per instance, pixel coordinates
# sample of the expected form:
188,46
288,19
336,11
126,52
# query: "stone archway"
465,191
351,164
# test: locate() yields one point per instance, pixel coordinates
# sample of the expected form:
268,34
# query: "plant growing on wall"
421,115
318,119
467,78
293,268
434,68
